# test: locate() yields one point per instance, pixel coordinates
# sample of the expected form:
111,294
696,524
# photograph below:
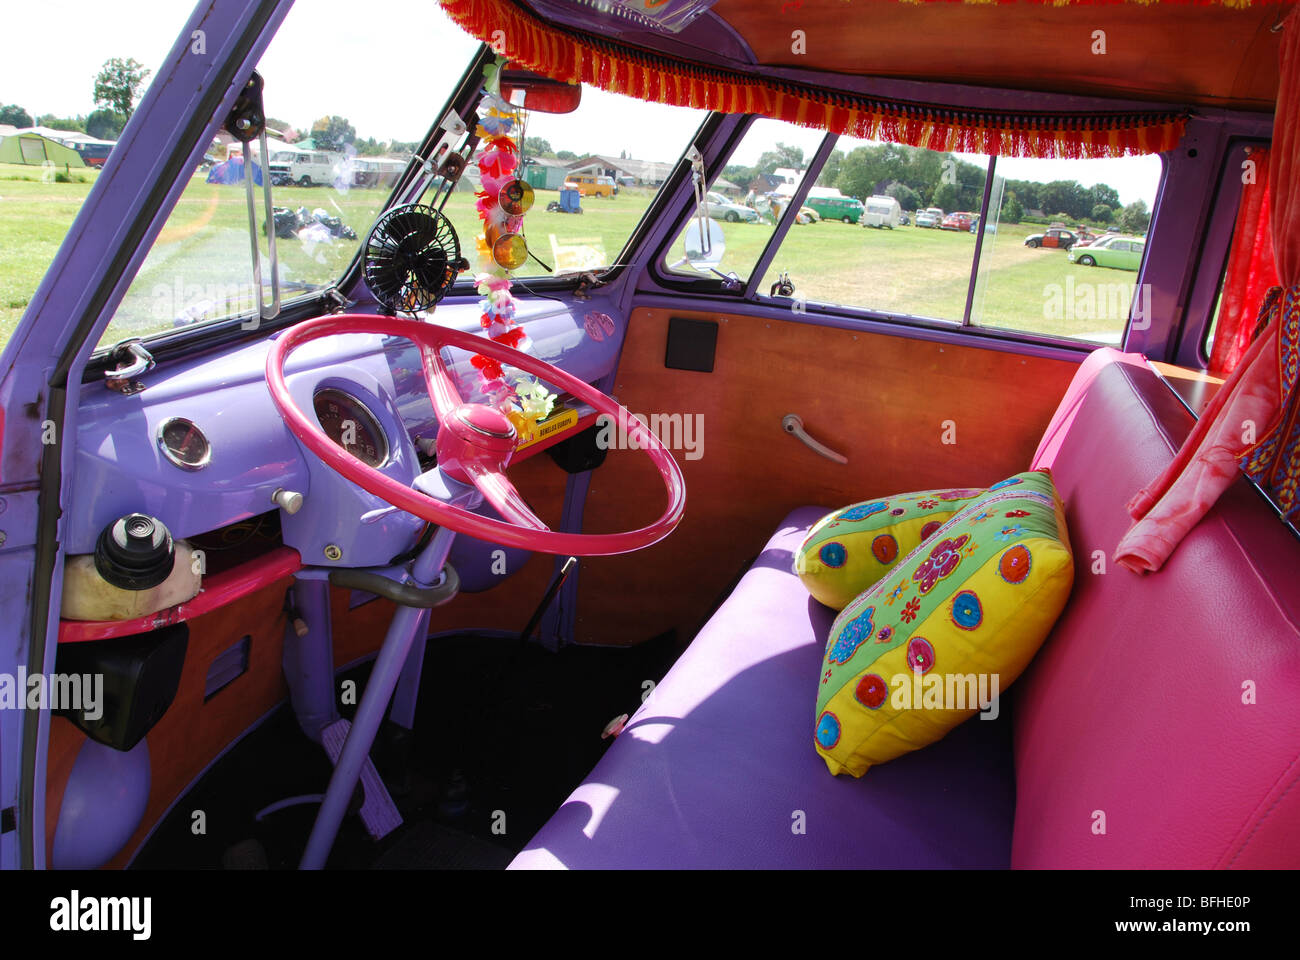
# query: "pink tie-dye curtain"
1253,423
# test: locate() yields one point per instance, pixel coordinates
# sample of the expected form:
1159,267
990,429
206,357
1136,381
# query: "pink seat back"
1159,726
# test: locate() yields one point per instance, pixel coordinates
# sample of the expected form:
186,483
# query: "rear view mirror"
539,94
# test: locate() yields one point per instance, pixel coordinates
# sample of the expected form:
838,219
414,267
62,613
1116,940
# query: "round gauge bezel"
375,425
172,456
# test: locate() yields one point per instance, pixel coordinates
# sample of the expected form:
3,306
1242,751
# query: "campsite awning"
36,150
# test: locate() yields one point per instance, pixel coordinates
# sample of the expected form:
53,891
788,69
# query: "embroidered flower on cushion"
927,504
981,517
910,610
895,593
1010,530
863,510
959,494
853,635
884,634
826,677
897,512
1018,513
943,559
1006,483
969,549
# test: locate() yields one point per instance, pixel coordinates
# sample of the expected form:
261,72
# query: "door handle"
792,424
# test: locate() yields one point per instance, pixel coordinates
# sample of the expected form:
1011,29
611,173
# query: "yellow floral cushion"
951,627
850,549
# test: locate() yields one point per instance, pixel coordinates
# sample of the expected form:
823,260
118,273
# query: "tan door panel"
885,402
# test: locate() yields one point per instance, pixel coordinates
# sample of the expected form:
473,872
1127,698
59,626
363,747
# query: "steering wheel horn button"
485,420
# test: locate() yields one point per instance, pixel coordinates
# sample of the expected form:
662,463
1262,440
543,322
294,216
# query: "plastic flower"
488,282
511,336
488,368
536,400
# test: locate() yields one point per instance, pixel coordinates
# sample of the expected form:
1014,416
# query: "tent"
34,149
232,171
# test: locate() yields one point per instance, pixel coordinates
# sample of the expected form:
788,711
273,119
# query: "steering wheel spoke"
501,493
475,441
438,379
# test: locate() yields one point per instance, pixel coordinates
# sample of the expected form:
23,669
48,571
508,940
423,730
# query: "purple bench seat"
714,767
1159,725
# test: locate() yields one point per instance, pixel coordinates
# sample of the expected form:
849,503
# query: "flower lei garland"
498,164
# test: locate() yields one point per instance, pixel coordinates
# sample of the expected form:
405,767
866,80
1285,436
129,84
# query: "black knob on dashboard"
135,552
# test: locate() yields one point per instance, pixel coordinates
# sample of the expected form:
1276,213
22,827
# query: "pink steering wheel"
475,442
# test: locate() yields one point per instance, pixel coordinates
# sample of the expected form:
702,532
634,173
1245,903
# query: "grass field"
203,255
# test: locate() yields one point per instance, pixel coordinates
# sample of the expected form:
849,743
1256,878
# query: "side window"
853,256
755,186
1069,289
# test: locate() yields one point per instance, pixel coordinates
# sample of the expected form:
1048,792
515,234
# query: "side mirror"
537,93
703,255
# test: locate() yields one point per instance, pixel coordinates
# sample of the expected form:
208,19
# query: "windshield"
326,133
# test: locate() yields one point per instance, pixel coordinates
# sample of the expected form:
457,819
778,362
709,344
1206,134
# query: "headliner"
1173,53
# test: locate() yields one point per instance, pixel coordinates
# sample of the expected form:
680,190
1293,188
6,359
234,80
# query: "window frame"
1192,346
749,292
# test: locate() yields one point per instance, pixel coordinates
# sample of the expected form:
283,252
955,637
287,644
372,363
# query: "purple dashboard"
131,450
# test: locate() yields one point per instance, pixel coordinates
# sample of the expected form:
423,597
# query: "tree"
831,170
864,169
1067,197
332,133
105,124
907,198
60,123
565,155
1134,218
782,156
1102,213
1012,211
118,83
16,116
1101,193
946,197
538,147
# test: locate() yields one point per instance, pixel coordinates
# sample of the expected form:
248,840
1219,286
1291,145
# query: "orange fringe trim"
609,65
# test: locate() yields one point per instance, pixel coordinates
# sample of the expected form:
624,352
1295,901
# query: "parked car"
1093,238
847,209
929,217
958,221
307,168
1121,253
720,208
592,185
1056,237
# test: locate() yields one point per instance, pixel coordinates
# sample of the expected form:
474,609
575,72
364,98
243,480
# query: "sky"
329,58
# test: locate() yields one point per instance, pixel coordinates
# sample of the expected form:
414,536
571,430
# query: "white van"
882,211
306,168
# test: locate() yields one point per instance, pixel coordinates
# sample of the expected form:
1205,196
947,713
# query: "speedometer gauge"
184,444
348,422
